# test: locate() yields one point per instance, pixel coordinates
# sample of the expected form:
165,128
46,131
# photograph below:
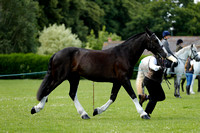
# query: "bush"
55,38
23,63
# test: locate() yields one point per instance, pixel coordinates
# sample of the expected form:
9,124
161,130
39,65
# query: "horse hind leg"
74,81
40,106
182,84
51,86
177,86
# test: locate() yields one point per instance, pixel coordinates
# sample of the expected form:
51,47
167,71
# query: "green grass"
17,97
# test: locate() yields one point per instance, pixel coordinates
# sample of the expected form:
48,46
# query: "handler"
152,81
189,74
171,56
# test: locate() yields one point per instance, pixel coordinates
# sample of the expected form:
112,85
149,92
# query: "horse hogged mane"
131,38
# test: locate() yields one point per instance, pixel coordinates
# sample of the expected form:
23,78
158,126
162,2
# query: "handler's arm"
152,64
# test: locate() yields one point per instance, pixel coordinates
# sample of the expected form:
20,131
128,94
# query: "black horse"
113,65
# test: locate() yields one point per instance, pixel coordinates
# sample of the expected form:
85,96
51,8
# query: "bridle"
193,53
151,46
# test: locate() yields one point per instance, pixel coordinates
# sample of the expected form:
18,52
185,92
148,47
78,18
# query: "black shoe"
188,89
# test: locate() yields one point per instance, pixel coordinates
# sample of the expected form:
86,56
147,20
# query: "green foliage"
20,20
18,26
55,38
97,43
187,20
23,63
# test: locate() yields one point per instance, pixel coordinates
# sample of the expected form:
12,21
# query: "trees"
187,20
20,20
18,23
103,35
55,38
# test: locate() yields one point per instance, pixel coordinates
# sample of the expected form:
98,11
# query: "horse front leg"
182,84
115,89
178,80
130,91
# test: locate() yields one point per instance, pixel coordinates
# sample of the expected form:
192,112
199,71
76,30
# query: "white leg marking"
104,107
41,104
78,106
139,108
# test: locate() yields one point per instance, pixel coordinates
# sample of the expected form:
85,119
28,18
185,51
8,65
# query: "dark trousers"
156,94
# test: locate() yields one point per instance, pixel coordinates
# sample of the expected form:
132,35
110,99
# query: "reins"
165,69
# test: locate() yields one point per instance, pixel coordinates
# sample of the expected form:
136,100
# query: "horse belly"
96,73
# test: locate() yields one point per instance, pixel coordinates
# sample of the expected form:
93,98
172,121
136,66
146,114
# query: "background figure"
171,56
178,44
152,81
189,73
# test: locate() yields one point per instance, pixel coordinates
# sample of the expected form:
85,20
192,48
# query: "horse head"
154,44
193,53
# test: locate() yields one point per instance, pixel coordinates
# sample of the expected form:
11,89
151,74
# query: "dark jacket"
178,47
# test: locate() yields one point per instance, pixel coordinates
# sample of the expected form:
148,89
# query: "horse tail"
139,81
47,80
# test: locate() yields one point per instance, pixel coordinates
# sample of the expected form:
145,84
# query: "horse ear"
148,31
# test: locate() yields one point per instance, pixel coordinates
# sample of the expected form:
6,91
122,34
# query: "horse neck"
135,47
183,56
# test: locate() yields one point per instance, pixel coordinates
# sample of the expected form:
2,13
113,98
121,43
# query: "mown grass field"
59,115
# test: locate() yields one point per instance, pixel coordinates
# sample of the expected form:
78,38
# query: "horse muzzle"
197,58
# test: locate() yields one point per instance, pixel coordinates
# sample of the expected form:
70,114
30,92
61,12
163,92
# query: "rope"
22,74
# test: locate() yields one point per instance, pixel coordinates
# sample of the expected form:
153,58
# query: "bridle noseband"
193,53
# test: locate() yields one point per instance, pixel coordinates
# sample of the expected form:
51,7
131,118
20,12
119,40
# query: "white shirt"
152,64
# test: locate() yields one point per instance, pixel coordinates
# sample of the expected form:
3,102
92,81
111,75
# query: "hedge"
23,63
27,63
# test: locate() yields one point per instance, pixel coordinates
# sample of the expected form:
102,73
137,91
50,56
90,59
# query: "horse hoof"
33,111
178,96
95,112
85,117
145,117
192,92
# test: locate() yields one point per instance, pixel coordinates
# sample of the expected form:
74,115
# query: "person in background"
178,44
189,74
171,56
